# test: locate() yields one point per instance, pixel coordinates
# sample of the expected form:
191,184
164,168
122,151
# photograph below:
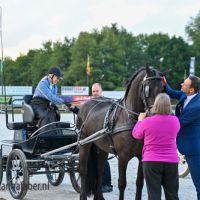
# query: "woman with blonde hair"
160,157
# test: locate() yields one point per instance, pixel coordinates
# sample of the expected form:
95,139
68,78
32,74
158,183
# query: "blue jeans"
106,174
194,167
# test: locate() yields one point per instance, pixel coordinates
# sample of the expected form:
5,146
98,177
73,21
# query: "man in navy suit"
188,112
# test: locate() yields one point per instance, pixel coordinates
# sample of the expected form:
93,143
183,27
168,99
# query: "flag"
88,65
192,65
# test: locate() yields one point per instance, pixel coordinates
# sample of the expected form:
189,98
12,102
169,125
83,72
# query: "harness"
110,118
109,125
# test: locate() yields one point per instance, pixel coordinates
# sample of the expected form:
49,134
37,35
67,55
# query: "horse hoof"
99,198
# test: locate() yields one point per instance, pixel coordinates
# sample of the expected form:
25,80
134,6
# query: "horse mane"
131,80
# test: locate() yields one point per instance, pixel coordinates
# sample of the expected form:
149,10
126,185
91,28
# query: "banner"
16,90
74,90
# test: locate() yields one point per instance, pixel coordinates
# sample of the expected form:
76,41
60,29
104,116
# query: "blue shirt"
48,91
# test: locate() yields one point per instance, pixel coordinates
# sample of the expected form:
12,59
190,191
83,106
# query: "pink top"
159,133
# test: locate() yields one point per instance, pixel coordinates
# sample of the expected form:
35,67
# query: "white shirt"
189,98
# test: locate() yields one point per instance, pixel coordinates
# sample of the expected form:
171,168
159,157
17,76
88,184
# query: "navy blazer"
188,139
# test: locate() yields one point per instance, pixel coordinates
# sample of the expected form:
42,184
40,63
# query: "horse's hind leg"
122,177
139,182
102,156
84,154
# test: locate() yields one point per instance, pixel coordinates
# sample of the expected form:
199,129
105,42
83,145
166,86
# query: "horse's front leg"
122,166
102,156
139,182
84,154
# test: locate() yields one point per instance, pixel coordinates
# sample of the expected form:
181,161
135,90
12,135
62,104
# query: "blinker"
146,91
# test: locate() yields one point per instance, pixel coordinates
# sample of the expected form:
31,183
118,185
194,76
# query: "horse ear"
166,72
148,69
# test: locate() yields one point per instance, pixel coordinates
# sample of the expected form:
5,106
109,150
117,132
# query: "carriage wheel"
75,175
55,179
17,175
183,167
76,181
1,168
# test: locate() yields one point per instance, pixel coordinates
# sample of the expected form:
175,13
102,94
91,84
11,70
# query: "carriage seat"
28,113
28,116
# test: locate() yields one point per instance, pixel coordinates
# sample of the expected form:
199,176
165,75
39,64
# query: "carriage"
21,156
37,151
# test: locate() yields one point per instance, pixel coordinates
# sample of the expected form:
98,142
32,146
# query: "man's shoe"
107,188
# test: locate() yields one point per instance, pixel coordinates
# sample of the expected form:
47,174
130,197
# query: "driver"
45,97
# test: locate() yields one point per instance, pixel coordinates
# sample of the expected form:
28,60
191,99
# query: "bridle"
146,89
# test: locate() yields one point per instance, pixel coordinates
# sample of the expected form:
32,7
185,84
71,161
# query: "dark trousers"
158,174
106,174
194,167
45,113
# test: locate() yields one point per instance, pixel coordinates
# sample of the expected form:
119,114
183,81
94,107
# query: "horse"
118,117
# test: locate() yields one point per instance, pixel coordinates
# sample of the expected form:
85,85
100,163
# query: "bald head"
96,90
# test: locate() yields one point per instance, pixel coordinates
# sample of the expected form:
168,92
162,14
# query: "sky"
26,24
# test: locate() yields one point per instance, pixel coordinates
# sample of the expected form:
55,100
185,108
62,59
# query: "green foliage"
114,53
167,53
85,45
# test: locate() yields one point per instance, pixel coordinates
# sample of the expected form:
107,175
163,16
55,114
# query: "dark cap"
55,71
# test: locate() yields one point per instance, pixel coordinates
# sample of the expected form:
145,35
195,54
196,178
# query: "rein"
129,112
107,100
89,114
109,128
119,105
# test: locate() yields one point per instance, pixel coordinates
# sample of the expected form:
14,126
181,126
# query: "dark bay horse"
119,117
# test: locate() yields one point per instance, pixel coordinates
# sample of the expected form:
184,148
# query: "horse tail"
92,171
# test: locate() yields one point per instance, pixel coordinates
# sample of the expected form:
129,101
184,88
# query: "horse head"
152,85
142,89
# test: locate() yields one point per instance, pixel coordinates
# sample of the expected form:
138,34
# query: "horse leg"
139,182
122,166
84,155
102,156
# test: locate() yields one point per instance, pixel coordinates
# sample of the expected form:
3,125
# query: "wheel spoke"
55,173
79,178
11,180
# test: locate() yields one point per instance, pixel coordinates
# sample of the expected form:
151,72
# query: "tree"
167,53
85,45
193,31
114,55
